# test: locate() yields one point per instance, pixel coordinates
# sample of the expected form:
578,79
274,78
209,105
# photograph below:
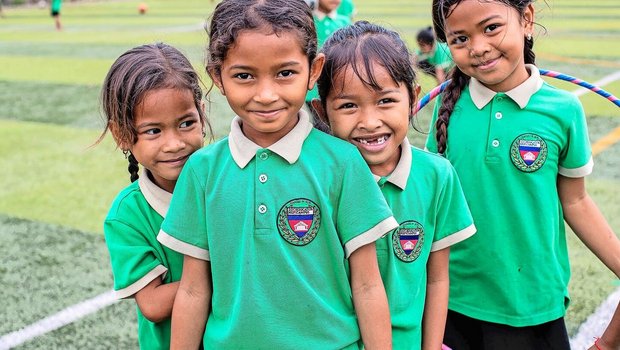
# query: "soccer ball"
142,8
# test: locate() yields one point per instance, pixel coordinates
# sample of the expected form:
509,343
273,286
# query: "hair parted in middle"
360,46
233,16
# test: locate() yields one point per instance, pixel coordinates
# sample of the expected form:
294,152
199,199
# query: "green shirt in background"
347,9
440,56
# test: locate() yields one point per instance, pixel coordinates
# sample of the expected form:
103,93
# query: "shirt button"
495,143
500,98
498,115
262,178
262,209
264,156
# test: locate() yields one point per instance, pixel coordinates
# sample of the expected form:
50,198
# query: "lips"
175,161
486,64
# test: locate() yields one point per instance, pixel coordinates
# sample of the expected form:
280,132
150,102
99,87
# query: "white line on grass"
596,323
606,80
57,320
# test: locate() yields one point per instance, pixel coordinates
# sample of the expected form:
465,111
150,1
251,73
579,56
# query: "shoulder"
559,97
328,145
128,201
425,161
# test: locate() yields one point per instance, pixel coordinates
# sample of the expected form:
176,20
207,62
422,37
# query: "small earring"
204,133
126,153
528,36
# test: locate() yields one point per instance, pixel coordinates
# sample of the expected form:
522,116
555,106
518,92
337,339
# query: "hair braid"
528,51
448,101
133,167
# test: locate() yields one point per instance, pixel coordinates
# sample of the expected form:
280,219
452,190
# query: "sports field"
55,188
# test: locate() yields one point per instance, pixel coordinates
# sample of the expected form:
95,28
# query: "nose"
266,92
173,143
369,120
478,47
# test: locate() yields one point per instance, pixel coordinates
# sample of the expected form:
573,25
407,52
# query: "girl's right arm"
191,305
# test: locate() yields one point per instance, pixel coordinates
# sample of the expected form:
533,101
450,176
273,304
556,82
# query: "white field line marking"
57,320
596,323
606,80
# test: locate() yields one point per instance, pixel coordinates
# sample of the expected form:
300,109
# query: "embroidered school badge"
528,152
299,221
407,240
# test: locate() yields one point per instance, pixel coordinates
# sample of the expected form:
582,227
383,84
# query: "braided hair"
459,80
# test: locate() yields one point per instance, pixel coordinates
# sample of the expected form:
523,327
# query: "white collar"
321,15
482,95
400,175
156,197
288,147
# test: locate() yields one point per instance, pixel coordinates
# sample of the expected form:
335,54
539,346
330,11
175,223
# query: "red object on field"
142,8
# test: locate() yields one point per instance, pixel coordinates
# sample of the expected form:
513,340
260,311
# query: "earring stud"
528,36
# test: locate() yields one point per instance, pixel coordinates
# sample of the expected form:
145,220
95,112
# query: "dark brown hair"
233,16
360,46
132,75
442,10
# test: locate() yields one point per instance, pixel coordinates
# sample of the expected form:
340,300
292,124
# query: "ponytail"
449,98
528,50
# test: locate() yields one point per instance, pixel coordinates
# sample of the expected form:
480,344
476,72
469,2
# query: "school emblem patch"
528,152
407,240
299,221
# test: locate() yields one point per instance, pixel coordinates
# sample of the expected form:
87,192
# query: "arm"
586,220
191,305
436,305
155,300
611,337
369,298
584,217
440,75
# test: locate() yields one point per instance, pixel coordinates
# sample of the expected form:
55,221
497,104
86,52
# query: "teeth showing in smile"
376,141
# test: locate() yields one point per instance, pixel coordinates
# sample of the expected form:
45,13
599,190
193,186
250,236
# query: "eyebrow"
177,119
382,93
481,23
282,65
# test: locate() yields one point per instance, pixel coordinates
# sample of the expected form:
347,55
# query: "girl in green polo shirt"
277,221
433,57
152,100
367,91
521,149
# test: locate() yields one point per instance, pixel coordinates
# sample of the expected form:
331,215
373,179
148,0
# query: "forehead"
475,12
252,44
164,105
350,78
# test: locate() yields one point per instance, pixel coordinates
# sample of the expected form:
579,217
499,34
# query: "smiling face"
375,121
486,39
169,131
265,78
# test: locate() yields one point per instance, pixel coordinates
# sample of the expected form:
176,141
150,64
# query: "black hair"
361,45
426,36
233,16
442,10
132,75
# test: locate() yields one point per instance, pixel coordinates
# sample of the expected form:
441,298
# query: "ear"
217,79
115,134
528,19
320,111
315,70
416,92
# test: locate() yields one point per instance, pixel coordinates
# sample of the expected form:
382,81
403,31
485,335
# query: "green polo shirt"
277,225
137,257
439,57
346,8
508,149
425,196
326,24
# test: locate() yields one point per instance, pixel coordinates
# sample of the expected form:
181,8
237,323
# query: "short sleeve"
184,228
576,157
363,215
431,140
134,260
454,221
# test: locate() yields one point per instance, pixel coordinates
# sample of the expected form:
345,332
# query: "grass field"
56,187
